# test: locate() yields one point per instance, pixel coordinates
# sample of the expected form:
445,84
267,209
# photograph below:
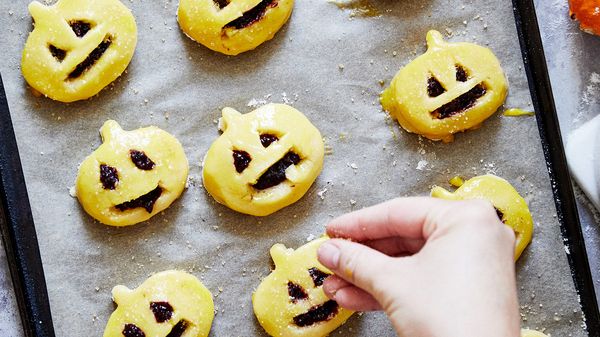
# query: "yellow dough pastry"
233,26
77,47
510,206
451,88
531,333
290,301
132,176
168,304
264,160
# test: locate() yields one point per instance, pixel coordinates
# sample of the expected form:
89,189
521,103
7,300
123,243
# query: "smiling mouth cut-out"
251,16
319,313
146,201
275,174
461,103
92,58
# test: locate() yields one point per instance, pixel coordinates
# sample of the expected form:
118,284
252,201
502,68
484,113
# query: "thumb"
355,263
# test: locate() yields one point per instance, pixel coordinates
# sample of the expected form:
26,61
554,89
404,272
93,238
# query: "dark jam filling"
58,53
434,87
109,177
296,292
80,28
266,139
146,201
499,214
140,160
241,160
91,59
162,311
461,74
221,3
252,16
131,330
178,329
318,276
276,173
316,314
460,104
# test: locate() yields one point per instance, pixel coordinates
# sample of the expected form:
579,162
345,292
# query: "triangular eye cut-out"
80,28
434,87
461,74
59,54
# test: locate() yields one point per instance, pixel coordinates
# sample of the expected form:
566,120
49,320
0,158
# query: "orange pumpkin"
587,12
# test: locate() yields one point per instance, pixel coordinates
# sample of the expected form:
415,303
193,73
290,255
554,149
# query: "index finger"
401,217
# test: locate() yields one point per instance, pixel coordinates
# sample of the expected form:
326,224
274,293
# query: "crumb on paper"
321,193
73,191
422,164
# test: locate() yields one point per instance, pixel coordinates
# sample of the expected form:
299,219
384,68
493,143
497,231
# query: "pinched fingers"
349,296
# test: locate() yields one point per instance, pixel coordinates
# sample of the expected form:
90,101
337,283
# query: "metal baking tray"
25,261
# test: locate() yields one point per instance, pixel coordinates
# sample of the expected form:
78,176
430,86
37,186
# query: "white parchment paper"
326,62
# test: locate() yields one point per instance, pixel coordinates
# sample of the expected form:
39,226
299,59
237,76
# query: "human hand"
436,267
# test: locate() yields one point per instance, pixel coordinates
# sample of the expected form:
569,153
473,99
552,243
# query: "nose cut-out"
434,87
80,28
59,54
92,58
253,15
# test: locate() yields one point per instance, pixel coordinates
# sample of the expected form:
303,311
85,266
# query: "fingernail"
329,255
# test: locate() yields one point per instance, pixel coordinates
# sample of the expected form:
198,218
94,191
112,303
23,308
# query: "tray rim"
20,238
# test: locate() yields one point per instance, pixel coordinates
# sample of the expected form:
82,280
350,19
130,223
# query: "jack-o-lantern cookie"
531,333
132,176
77,47
587,12
451,88
264,160
233,26
168,304
290,301
511,207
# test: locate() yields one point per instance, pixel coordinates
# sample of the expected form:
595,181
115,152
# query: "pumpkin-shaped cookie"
290,301
77,47
233,26
587,12
132,176
451,88
531,333
168,304
264,160
510,206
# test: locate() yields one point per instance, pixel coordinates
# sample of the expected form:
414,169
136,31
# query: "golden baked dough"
168,304
451,88
132,176
77,47
587,12
290,301
233,26
264,160
531,333
510,206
